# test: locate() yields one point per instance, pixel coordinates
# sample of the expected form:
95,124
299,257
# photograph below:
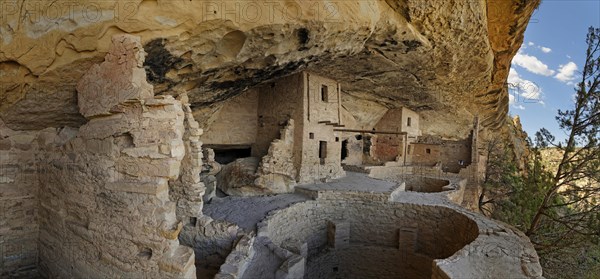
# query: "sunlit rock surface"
448,60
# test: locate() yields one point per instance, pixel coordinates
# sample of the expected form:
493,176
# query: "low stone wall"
431,180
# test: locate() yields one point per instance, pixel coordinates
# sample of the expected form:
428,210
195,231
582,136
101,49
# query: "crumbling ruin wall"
188,189
276,171
104,195
277,103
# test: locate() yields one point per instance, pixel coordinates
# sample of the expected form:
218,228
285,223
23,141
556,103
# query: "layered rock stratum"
448,60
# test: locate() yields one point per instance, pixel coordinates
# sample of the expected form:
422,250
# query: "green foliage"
557,203
524,192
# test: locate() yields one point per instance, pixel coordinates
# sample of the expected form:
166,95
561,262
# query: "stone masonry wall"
105,209
19,199
320,117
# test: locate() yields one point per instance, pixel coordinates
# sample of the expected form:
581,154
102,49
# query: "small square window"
337,139
428,151
311,135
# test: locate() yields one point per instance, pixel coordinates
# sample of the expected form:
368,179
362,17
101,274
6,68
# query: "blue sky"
545,70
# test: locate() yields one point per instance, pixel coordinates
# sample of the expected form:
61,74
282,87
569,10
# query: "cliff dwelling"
218,149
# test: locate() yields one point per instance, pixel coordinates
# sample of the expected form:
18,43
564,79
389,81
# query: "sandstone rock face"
446,60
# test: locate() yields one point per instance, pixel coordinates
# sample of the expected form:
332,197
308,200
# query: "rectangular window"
408,122
324,93
311,135
322,151
428,151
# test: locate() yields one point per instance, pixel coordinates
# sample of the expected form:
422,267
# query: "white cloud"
569,56
521,107
566,72
545,49
511,99
522,90
532,64
530,44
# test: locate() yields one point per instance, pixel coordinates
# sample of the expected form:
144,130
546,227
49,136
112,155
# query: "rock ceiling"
446,59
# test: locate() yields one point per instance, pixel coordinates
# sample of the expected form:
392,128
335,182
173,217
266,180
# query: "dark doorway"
322,151
344,149
226,155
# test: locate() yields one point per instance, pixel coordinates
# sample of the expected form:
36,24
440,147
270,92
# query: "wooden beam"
370,132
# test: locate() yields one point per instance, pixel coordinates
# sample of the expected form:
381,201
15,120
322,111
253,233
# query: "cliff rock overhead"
448,60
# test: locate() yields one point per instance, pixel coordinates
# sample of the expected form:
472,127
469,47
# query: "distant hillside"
551,159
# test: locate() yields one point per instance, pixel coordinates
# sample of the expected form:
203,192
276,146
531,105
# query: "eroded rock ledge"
447,60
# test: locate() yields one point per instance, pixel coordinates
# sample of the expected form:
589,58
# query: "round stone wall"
362,239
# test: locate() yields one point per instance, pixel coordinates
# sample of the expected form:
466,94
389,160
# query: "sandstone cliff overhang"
448,60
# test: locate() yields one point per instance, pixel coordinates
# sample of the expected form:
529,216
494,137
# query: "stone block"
167,168
150,188
177,262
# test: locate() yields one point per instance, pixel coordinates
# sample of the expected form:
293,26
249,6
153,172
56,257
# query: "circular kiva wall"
425,184
354,239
